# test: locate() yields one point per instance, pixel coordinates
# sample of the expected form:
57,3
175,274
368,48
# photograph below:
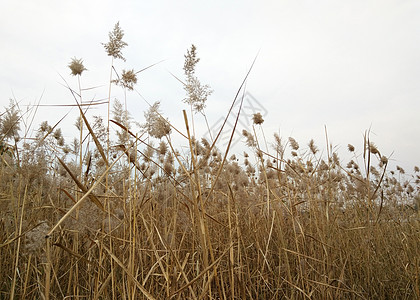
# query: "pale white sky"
348,65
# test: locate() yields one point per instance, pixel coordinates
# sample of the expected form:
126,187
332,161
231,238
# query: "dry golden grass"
129,220
183,235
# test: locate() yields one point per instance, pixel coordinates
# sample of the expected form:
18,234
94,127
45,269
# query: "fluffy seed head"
250,142
197,93
312,147
163,148
156,125
257,119
76,66
115,44
373,149
293,143
128,79
191,60
278,145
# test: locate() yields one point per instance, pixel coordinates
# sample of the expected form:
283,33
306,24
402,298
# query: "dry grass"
129,220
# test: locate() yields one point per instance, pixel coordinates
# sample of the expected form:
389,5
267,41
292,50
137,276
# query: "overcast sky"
346,65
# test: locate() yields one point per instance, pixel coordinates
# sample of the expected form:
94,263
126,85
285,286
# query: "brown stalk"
81,200
71,252
181,267
97,143
81,185
138,284
202,273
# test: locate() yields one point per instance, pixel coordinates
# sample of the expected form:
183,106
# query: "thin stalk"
198,197
17,253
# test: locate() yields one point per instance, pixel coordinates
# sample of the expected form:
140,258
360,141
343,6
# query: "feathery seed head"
257,119
163,148
374,171
373,149
197,93
205,143
410,189
148,154
156,125
57,134
278,146
45,127
313,147
168,168
323,166
128,79
76,66
10,123
250,142
169,158
335,159
115,44
293,143
191,60
35,238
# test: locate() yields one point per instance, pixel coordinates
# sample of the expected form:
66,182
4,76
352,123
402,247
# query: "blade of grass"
202,273
95,139
81,186
138,284
86,195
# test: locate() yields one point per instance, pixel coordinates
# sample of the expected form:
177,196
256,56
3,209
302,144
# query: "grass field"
129,216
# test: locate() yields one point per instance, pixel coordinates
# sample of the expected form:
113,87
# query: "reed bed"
134,218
